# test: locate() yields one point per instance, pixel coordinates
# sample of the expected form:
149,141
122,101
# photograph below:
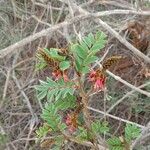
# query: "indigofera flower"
98,78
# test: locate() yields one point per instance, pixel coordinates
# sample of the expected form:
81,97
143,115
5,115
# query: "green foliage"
59,140
99,127
68,102
84,52
60,93
82,134
54,89
51,116
54,54
43,130
41,64
64,65
131,132
115,144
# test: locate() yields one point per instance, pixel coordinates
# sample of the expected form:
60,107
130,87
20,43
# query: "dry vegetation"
26,25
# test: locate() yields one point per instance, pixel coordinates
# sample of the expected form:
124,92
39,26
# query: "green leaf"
85,70
53,53
64,65
78,64
41,95
84,45
90,60
97,46
82,134
68,102
54,89
79,50
115,144
58,143
50,82
131,132
50,95
51,116
99,127
91,37
62,127
42,131
100,35
84,52
87,41
40,65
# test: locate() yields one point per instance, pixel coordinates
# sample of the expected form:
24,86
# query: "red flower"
99,84
98,78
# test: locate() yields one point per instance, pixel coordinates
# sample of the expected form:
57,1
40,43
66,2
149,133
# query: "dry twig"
114,117
13,48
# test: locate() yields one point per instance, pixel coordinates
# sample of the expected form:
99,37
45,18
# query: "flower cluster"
98,78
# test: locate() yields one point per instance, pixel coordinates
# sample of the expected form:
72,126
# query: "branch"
127,95
113,32
123,41
15,47
128,84
121,12
114,117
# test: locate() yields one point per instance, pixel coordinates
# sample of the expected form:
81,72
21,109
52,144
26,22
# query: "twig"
114,117
122,4
26,100
40,21
46,6
32,124
60,13
128,84
127,95
122,12
123,41
103,57
24,95
13,48
114,33
6,84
